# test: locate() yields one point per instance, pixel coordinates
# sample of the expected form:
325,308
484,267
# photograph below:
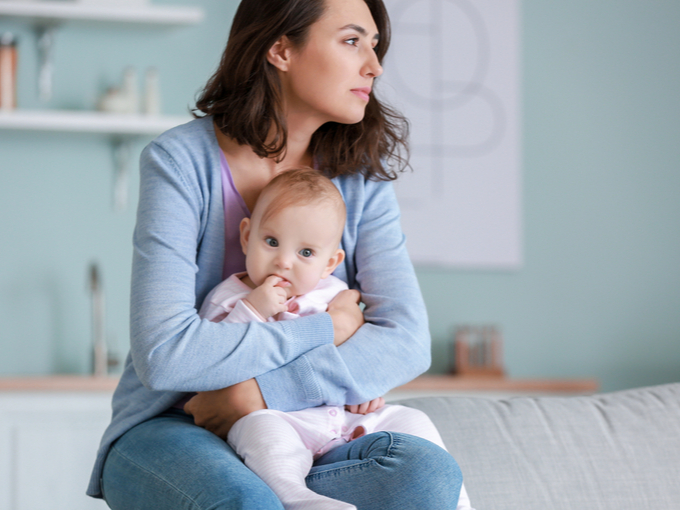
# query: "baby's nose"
283,261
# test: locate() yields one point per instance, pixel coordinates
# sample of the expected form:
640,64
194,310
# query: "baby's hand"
366,407
269,298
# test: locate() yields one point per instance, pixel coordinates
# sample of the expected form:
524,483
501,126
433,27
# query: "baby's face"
297,243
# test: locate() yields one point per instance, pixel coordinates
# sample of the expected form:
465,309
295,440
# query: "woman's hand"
346,314
218,410
366,407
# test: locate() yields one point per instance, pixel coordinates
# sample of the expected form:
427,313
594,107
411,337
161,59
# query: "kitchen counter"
425,383
62,383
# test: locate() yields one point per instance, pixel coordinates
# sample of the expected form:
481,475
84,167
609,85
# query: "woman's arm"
178,254
393,346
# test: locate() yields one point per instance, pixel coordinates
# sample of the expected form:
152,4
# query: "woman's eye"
271,242
353,41
306,252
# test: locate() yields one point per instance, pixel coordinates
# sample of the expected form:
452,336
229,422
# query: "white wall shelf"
121,129
46,17
89,122
59,11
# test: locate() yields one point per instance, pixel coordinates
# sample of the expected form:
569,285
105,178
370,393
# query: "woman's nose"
372,67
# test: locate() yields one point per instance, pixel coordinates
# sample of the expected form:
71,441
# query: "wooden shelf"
88,122
451,383
425,383
60,11
64,383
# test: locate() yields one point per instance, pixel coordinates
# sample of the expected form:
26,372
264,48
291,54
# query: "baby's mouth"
284,283
288,287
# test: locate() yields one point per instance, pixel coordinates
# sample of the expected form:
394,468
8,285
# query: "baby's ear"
245,234
333,262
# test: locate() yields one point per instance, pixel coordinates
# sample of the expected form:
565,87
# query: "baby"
291,247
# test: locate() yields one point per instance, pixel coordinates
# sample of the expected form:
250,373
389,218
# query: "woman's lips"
362,92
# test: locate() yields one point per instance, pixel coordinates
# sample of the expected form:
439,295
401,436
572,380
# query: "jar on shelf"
8,71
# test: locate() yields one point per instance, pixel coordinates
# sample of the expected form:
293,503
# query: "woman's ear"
279,54
245,234
333,262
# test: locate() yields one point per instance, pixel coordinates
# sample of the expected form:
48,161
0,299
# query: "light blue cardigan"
178,257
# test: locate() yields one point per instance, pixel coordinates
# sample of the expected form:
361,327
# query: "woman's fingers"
366,407
218,410
345,298
346,314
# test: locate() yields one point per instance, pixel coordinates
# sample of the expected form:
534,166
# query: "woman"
293,89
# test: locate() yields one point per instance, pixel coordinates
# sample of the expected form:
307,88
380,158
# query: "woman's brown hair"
244,95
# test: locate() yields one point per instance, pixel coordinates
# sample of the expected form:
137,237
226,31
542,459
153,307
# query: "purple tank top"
234,211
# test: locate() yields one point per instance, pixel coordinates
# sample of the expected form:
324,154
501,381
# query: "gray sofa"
613,451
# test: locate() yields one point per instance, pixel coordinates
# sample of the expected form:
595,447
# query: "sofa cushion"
608,451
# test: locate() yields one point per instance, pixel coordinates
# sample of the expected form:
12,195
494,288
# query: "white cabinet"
48,443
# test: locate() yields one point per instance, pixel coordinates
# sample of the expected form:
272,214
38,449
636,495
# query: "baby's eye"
306,252
271,242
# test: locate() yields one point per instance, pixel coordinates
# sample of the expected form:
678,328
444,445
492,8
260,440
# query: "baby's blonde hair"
301,186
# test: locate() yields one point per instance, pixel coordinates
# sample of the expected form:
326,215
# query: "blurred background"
598,290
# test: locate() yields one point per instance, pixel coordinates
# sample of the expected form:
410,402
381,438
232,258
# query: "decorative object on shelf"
46,36
124,99
152,94
8,71
478,352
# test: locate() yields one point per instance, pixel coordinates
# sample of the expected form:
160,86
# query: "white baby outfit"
280,447
225,302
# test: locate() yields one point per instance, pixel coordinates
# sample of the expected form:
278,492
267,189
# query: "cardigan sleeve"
393,346
172,348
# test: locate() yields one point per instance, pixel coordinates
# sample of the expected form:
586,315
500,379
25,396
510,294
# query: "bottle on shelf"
8,71
152,99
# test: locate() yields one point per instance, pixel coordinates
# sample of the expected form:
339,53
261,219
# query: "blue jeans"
170,463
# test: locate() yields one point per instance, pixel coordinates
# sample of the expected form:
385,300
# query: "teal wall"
56,191
599,291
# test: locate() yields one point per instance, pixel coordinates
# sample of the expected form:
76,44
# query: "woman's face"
331,76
